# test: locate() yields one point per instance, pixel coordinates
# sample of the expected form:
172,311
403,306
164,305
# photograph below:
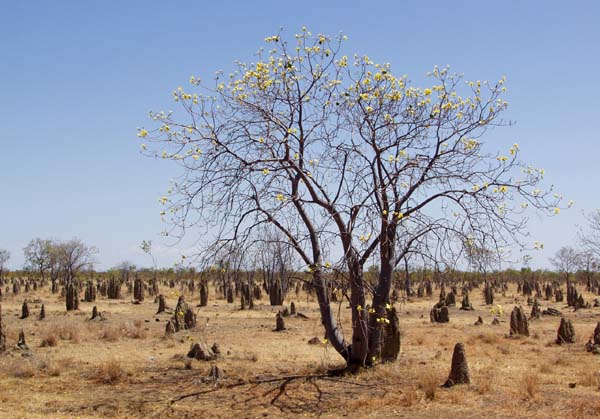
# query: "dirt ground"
123,367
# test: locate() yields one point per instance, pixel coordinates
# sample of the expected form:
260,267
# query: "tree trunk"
359,352
332,330
381,297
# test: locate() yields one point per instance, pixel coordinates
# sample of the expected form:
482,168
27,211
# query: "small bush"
136,332
428,383
109,372
66,332
110,333
530,384
589,378
49,341
21,368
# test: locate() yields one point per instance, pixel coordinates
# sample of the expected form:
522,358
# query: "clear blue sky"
78,77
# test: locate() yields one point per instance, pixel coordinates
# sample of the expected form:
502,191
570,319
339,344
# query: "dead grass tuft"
585,408
111,333
21,368
109,372
68,332
546,368
49,341
588,377
429,383
530,384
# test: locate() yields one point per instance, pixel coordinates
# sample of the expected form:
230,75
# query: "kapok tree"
344,158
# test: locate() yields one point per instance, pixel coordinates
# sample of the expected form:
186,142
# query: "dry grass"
31,367
109,372
589,377
585,408
410,398
488,338
49,341
530,384
66,332
21,368
153,370
429,383
111,333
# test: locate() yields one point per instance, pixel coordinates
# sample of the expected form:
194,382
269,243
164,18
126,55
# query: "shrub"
109,372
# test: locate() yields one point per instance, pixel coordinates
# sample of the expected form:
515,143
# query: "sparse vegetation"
362,248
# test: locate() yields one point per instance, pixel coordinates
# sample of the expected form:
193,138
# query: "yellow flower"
142,133
359,308
388,306
556,210
363,238
385,212
328,265
266,171
427,92
280,197
261,140
503,188
400,215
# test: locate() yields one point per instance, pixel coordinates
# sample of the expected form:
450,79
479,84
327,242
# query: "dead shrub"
546,368
530,384
584,408
561,360
111,333
135,332
66,332
484,379
49,341
410,398
109,372
48,366
589,378
428,382
504,349
21,368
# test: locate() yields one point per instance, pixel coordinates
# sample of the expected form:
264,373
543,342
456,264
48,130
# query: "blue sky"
77,79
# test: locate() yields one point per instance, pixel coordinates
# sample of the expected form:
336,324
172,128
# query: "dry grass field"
124,367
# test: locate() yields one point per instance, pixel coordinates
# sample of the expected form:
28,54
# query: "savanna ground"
123,367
